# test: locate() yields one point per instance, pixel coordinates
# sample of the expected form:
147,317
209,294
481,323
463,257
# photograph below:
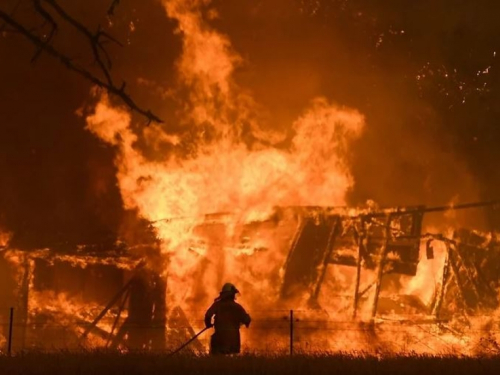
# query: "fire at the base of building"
360,280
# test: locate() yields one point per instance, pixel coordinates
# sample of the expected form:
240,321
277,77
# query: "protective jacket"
229,316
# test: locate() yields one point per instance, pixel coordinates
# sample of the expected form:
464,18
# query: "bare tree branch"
50,20
112,7
96,41
3,27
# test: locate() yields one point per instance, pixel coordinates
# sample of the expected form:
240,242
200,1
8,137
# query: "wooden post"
159,321
111,303
444,283
456,275
9,348
291,332
358,276
329,250
381,265
300,228
120,310
472,278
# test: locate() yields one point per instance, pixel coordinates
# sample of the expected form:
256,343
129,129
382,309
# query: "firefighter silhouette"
229,316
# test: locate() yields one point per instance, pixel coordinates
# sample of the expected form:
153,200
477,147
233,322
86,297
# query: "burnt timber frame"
450,270
343,236
152,331
365,256
140,318
473,289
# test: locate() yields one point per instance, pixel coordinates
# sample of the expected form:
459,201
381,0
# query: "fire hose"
187,342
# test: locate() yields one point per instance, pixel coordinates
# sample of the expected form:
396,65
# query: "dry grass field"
91,363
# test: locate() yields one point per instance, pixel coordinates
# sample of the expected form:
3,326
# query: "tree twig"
48,18
112,7
94,39
3,27
68,63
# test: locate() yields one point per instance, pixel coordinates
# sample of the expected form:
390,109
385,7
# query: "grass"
87,363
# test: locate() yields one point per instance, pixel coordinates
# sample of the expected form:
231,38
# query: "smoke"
360,56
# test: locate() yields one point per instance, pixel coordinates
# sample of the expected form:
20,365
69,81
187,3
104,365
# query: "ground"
151,364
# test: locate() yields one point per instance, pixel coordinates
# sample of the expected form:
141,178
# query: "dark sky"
415,69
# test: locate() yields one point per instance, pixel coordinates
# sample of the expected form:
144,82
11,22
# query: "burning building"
333,265
226,196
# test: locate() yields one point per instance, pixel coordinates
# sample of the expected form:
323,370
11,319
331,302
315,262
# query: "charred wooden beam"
145,323
110,304
362,293
358,278
96,330
159,319
381,265
343,211
180,329
324,266
423,209
118,315
470,279
442,290
456,276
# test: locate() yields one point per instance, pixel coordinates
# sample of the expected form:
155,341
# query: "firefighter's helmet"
229,288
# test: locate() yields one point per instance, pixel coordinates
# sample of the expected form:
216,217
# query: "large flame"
227,162
226,168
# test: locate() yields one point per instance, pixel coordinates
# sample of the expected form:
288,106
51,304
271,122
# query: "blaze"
228,194
228,162
222,188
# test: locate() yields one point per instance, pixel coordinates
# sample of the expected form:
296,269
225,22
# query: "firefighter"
229,316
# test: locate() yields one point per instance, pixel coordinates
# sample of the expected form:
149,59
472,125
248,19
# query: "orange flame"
5,238
223,173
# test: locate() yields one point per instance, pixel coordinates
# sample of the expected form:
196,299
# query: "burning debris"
118,299
470,280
